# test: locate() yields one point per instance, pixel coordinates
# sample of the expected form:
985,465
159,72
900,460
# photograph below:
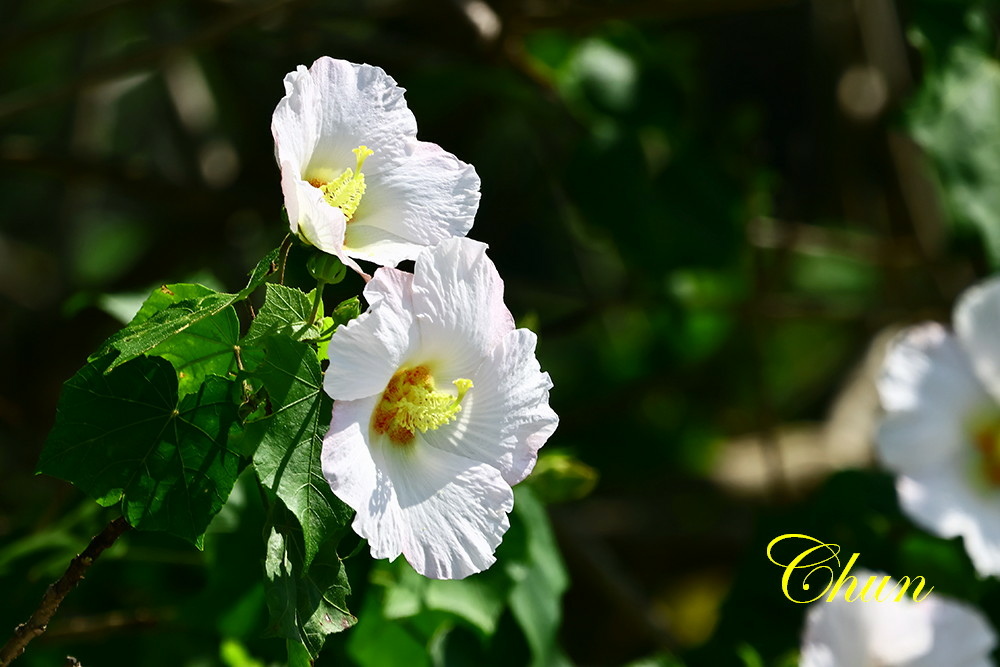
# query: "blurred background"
713,212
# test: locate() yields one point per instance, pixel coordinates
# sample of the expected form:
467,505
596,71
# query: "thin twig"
55,593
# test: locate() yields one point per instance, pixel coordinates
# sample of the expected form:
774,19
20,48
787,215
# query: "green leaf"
169,312
478,600
379,640
208,347
956,119
475,599
125,436
291,439
285,312
166,296
541,580
306,603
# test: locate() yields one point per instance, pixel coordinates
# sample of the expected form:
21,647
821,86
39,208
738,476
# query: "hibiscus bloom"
941,429
357,183
932,632
440,407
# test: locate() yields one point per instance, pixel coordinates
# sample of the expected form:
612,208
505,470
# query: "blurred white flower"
440,407
934,632
356,181
941,428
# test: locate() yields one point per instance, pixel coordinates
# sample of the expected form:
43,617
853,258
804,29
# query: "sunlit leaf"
167,314
285,311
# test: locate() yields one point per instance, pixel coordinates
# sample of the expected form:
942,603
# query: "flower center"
344,191
986,438
412,403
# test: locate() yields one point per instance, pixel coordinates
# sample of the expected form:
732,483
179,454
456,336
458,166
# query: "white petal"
309,215
454,509
977,321
458,295
930,395
377,245
962,636
390,288
834,636
444,513
366,352
949,502
425,197
505,417
935,631
295,125
347,464
336,106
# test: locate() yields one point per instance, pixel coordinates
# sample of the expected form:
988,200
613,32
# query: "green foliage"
168,315
125,436
291,438
540,580
956,119
285,313
307,603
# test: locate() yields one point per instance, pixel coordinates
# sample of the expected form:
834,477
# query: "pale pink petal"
505,417
390,288
458,295
365,353
977,323
931,397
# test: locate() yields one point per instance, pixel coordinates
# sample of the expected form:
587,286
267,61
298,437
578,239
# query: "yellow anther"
362,153
411,403
345,191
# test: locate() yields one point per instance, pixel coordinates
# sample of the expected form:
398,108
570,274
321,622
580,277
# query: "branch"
55,593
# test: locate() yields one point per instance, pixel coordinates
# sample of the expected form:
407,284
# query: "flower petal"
347,464
977,321
309,216
505,417
444,513
458,296
930,395
935,631
945,501
336,106
425,197
366,352
962,636
834,636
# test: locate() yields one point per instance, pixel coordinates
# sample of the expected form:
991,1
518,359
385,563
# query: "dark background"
708,210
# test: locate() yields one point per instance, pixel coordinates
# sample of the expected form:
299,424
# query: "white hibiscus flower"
941,431
440,407
357,183
933,632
